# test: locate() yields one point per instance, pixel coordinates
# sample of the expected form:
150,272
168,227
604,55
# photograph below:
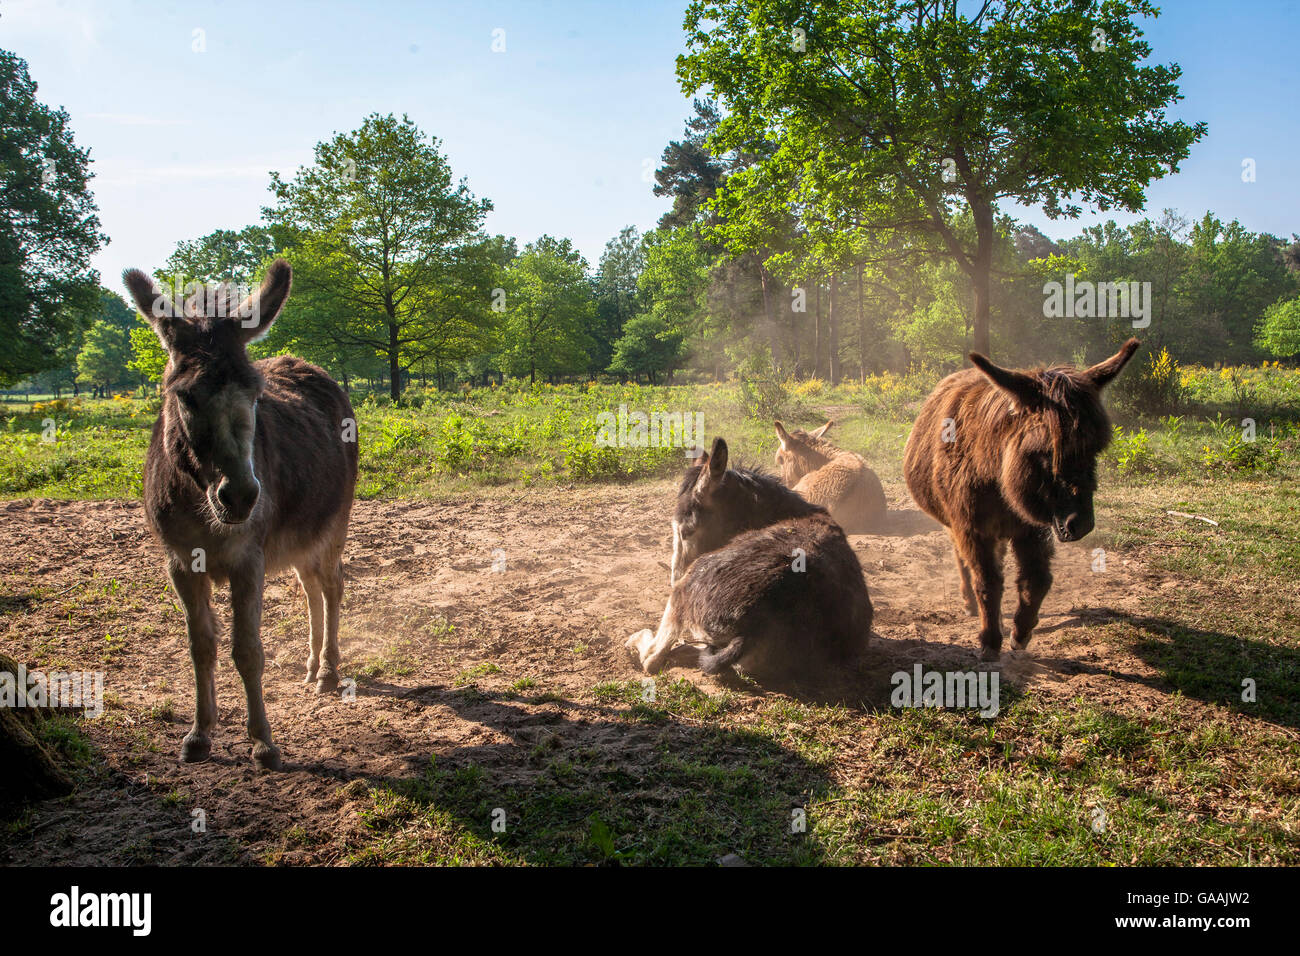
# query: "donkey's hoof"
267,757
196,748
1020,645
633,643
310,678
991,655
327,682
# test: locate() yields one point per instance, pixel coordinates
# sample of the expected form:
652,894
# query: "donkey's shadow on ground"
1217,667
625,781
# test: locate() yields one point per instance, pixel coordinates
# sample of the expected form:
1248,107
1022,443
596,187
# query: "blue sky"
558,130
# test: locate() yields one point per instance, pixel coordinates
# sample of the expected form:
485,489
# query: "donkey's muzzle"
234,501
1072,527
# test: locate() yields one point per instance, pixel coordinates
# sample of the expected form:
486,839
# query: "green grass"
441,443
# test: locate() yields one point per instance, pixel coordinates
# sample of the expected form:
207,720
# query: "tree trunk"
981,277
862,328
773,335
28,770
817,333
833,327
394,367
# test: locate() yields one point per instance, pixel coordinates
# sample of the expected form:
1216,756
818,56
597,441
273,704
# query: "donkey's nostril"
226,495
1077,526
235,500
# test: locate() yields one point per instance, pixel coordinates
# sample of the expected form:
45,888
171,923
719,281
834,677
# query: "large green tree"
104,360
549,304
49,228
617,296
647,347
893,114
225,255
391,238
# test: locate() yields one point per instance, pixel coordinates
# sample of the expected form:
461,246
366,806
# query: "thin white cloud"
191,173
136,119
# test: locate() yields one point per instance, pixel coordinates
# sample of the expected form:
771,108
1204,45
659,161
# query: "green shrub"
453,446
1131,451
588,461
763,394
1242,455
1153,388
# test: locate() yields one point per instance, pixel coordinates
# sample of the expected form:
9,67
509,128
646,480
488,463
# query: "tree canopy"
49,230
870,116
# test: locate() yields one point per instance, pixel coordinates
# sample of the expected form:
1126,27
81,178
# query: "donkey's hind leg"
331,578
981,557
311,587
967,594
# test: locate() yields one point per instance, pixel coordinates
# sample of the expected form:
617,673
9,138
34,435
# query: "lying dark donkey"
760,578
1000,455
251,468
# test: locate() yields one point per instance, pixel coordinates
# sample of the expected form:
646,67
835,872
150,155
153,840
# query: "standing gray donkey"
251,468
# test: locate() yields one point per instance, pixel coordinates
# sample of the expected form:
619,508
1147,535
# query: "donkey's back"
312,479
848,488
788,600
839,480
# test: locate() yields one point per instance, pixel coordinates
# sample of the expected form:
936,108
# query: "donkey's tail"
712,663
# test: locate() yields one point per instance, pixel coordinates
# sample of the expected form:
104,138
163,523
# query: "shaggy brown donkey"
1000,455
251,468
761,578
838,480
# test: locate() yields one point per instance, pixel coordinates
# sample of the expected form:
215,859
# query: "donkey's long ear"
822,431
782,435
1023,388
258,311
715,466
154,305
718,459
1103,372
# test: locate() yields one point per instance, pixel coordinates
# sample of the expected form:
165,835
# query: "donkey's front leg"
246,644
981,557
195,592
651,647
1033,552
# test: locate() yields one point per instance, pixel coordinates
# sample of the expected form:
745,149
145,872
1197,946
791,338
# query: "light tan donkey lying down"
825,475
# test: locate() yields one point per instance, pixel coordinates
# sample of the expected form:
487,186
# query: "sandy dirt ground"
83,588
